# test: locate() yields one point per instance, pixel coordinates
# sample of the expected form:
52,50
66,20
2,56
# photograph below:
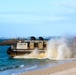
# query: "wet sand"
68,68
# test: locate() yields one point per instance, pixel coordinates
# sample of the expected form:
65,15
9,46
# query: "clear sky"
37,17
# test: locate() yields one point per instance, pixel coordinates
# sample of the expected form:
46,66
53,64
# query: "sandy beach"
68,68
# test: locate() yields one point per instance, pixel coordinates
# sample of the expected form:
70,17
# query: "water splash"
62,48
57,48
35,54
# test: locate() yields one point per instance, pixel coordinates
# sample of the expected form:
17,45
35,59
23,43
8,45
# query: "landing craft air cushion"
27,46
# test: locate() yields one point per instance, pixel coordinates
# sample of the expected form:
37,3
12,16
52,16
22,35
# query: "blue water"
8,65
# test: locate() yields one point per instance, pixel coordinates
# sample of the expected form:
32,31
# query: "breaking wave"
57,48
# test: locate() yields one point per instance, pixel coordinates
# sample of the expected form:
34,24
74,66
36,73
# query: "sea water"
58,50
10,66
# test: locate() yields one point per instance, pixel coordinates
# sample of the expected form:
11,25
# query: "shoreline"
68,68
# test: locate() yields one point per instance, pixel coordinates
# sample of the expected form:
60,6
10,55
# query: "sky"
24,18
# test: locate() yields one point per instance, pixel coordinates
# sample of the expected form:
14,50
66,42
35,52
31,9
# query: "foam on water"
57,48
20,70
34,54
